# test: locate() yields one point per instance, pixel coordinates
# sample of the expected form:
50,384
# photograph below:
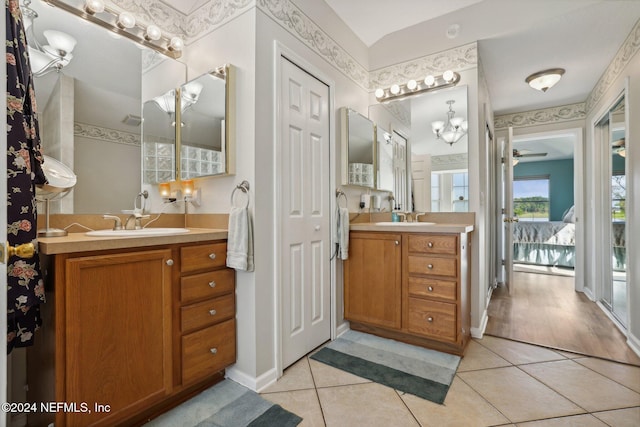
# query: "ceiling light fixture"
543,80
453,129
123,24
51,57
414,87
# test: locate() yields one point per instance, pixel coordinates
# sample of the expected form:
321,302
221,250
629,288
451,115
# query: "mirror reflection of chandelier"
51,57
453,129
189,95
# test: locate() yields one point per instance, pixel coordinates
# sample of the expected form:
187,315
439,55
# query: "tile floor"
499,382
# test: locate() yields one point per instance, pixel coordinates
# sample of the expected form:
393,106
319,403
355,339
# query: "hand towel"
240,240
342,233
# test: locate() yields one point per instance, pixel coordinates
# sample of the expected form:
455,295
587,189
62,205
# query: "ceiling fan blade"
532,155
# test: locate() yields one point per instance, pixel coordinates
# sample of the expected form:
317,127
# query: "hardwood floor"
545,310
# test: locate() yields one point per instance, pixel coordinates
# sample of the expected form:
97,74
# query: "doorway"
303,230
546,302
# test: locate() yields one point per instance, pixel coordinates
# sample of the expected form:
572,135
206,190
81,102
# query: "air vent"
132,120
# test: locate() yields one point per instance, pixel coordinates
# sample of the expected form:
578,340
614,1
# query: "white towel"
342,233
240,240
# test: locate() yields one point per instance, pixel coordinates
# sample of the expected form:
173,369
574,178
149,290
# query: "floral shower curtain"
25,287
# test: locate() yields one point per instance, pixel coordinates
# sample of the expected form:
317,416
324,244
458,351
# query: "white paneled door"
305,212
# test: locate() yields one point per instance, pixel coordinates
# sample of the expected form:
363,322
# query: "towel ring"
340,193
244,187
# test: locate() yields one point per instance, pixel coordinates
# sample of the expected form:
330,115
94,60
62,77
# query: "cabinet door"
372,279
118,333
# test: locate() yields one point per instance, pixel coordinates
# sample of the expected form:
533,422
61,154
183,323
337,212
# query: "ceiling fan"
526,153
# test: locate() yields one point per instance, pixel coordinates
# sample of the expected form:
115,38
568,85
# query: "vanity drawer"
195,316
432,288
433,244
207,285
434,319
208,351
433,265
201,257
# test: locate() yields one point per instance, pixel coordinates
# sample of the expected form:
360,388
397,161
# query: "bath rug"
416,370
227,404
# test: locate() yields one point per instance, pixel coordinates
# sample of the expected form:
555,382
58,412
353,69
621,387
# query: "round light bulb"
429,80
126,20
448,76
379,93
395,89
176,44
412,85
152,33
93,6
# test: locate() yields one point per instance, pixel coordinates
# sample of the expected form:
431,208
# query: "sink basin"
144,232
405,224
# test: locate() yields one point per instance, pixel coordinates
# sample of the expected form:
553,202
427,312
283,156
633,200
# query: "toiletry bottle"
394,215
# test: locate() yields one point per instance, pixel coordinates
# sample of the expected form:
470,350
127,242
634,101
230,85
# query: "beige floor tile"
477,357
570,355
586,420
462,407
295,377
627,375
583,386
518,352
303,403
369,405
517,395
328,376
629,417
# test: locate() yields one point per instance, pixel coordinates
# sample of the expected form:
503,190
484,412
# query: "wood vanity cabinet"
136,331
430,292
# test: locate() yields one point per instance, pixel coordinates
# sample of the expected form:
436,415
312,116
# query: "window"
450,191
618,197
460,192
531,198
435,192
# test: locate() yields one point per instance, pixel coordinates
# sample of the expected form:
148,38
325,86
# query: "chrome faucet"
403,215
136,217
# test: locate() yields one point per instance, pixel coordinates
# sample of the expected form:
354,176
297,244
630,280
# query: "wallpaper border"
106,134
563,113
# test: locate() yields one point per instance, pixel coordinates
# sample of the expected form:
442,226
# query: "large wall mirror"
437,171
90,112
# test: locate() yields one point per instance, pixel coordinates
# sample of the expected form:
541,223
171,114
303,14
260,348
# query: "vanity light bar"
125,25
414,87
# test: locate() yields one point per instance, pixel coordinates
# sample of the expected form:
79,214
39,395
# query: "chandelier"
453,129
52,56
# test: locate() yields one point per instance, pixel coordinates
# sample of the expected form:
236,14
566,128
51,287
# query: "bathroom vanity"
410,282
132,326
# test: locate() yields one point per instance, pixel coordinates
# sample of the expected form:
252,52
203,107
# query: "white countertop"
413,227
80,242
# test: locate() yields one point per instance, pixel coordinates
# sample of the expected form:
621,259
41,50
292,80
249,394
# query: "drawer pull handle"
430,244
430,266
169,262
430,288
212,284
212,312
212,256
429,319
213,350
397,243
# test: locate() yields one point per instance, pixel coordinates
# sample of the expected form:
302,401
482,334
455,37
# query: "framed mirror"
358,142
206,134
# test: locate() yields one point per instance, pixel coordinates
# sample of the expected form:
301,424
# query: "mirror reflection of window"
450,191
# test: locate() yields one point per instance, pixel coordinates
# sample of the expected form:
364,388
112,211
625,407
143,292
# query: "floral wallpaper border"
563,113
106,134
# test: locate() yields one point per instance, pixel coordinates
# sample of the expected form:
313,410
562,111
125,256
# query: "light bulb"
176,44
412,85
448,76
379,93
93,6
126,20
395,89
152,33
429,80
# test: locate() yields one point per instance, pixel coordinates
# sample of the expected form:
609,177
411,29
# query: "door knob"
317,227
25,250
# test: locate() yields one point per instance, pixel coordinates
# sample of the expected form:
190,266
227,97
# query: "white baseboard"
588,293
252,383
479,332
634,344
344,327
